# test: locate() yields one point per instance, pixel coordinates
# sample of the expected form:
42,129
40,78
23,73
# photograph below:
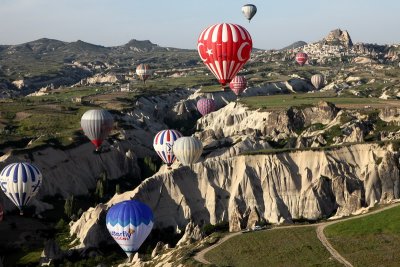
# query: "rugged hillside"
279,188
237,124
46,61
338,37
75,170
274,186
294,45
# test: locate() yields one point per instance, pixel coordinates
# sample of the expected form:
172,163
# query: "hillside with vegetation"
326,152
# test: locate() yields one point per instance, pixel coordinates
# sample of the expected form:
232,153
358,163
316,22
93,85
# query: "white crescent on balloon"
198,49
239,52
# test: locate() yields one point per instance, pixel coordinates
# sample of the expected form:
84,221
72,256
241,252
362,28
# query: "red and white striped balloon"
238,85
206,105
143,71
224,49
301,58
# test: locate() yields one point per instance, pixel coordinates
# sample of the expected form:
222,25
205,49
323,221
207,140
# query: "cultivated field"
279,102
281,247
369,241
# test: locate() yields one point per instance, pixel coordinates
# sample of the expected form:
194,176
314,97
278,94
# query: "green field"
277,102
45,118
281,247
370,241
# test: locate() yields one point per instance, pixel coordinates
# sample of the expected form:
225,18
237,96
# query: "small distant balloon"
317,80
188,149
129,223
249,11
20,182
143,71
97,124
205,106
163,142
238,85
301,58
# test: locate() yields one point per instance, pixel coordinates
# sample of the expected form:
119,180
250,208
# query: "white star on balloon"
209,52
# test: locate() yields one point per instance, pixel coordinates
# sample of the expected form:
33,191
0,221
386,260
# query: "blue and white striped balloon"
20,182
129,223
163,142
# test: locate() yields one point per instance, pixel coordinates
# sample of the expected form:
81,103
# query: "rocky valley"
281,153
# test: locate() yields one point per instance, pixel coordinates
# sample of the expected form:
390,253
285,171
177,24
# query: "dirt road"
200,255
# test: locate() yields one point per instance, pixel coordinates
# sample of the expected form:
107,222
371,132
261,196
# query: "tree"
69,206
117,189
99,189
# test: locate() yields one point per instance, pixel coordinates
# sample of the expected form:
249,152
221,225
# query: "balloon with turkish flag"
224,48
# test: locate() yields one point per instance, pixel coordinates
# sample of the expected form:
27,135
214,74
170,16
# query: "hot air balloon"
163,142
129,223
301,58
143,71
205,106
97,124
187,149
249,11
1,212
20,182
238,85
317,80
224,49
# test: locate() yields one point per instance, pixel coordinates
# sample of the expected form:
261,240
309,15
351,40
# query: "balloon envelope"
129,223
143,71
20,182
224,48
238,85
163,142
188,149
249,11
301,58
206,106
317,80
97,124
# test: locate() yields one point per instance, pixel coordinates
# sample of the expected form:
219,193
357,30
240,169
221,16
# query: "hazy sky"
177,23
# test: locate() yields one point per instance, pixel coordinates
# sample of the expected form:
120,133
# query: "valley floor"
298,244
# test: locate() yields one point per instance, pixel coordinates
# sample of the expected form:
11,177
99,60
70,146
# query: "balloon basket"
21,213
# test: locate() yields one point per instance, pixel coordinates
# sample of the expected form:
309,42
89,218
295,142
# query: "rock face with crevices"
73,171
338,37
280,187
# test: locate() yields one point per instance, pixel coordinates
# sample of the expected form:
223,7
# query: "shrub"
208,229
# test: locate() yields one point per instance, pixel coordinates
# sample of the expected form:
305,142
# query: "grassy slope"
286,101
368,241
283,247
56,117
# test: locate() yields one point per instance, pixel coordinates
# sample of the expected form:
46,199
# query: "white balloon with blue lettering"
129,223
20,182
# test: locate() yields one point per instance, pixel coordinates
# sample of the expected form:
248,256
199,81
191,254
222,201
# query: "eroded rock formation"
281,187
